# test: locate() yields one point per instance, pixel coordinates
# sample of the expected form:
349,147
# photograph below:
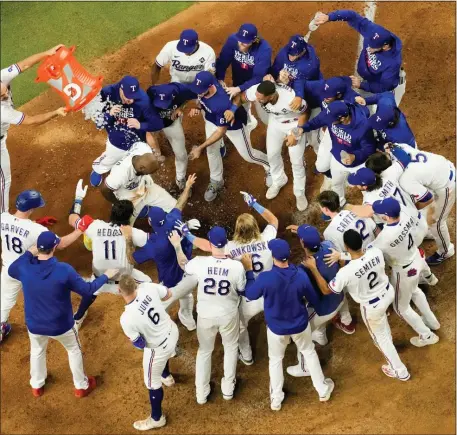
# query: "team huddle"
370,250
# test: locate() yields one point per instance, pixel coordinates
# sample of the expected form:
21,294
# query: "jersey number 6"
223,286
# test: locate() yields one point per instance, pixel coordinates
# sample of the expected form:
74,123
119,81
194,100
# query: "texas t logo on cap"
185,41
293,44
245,32
198,82
376,35
378,118
326,86
161,96
133,88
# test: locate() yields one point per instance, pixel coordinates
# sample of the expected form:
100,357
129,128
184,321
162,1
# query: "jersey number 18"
15,244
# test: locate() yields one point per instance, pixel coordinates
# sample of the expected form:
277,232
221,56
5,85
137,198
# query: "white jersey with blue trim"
146,315
8,114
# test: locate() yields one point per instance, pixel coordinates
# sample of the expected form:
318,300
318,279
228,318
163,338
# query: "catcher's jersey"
364,278
109,246
398,241
184,68
17,235
8,114
262,259
219,281
280,111
347,220
124,181
146,316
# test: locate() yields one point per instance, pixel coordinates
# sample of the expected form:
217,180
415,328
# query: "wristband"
77,205
190,237
258,208
233,108
345,256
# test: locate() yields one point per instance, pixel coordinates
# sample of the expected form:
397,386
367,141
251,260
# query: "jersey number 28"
223,286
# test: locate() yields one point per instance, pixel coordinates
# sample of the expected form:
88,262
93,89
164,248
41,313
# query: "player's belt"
1,137
377,299
109,281
289,121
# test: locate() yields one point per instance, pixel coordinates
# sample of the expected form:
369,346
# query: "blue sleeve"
402,156
356,21
140,342
261,67
388,81
13,270
106,92
277,65
254,287
299,86
144,253
151,120
372,99
225,59
367,146
78,285
315,123
185,94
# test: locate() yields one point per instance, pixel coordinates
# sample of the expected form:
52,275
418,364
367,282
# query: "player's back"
146,315
346,220
262,259
17,235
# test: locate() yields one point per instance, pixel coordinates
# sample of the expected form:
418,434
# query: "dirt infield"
53,157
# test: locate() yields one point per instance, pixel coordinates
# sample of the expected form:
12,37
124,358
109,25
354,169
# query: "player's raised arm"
264,212
182,200
175,240
34,59
198,242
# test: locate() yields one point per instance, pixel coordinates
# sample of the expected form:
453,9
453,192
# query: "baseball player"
18,233
107,241
365,279
130,179
9,115
275,100
149,327
220,279
397,243
159,249
328,307
284,288
352,142
170,100
127,118
430,179
380,60
343,220
222,118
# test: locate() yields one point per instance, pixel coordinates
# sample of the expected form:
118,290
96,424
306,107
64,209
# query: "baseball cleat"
388,371
302,203
436,259
297,371
213,189
92,385
274,189
330,387
37,392
95,179
434,325
276,405
150,423
431,279
347,329
268,179
247,362
181,184
5,331
79,323
424,341
325,218
187,321
169,381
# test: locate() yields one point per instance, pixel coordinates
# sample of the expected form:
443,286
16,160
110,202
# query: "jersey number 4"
14,244
107,250
223,287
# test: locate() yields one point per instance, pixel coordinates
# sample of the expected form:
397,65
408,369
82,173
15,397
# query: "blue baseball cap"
218,237
337,109
333,86
385,113
188,41
379,37
131,87
296,45
156,217
279,248
47,240
163,96
309,236
203,80
362,177
388,207
247,33
29,199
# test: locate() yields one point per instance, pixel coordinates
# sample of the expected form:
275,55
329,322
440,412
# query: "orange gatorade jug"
69,79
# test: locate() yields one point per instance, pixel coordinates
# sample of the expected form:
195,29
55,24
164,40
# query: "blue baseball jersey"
381,70
355,138
47,287
159,249
248,69
215,107
327,303
119,134
400,132
181,94
283,290
305,68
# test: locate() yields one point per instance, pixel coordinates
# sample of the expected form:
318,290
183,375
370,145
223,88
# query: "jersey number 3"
223,286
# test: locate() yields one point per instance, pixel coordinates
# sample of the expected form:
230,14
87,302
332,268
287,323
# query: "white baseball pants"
277,345
111,155
407,289
339,176
324,154
5,176
207,329
9,290
276,134
261,113
175,135
155,359
375,318
69,340
248,309
315,137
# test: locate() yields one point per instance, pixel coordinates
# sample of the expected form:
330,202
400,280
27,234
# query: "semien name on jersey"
367,266
15,229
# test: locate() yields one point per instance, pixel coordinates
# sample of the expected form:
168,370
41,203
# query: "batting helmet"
28,200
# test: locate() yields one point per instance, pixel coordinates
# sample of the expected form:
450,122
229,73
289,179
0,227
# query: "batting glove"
248,198
193,224
182,227
47,221
81,191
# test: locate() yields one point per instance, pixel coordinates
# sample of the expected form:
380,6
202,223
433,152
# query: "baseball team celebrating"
370,251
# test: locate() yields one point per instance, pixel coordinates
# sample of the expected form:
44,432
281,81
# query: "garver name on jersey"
109,232
366,267
372,60
342,136
245,58
15,229
176,64
254,247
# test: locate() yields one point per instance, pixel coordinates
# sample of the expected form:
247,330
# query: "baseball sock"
84,305
156,397
166,370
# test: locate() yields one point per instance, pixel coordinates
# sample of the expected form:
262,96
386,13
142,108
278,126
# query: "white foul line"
370,12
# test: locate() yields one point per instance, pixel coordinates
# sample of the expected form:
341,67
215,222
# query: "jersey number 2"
372,277
223,286
360,225
15,244
107,250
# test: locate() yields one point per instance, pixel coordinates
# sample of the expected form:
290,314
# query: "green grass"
95,28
